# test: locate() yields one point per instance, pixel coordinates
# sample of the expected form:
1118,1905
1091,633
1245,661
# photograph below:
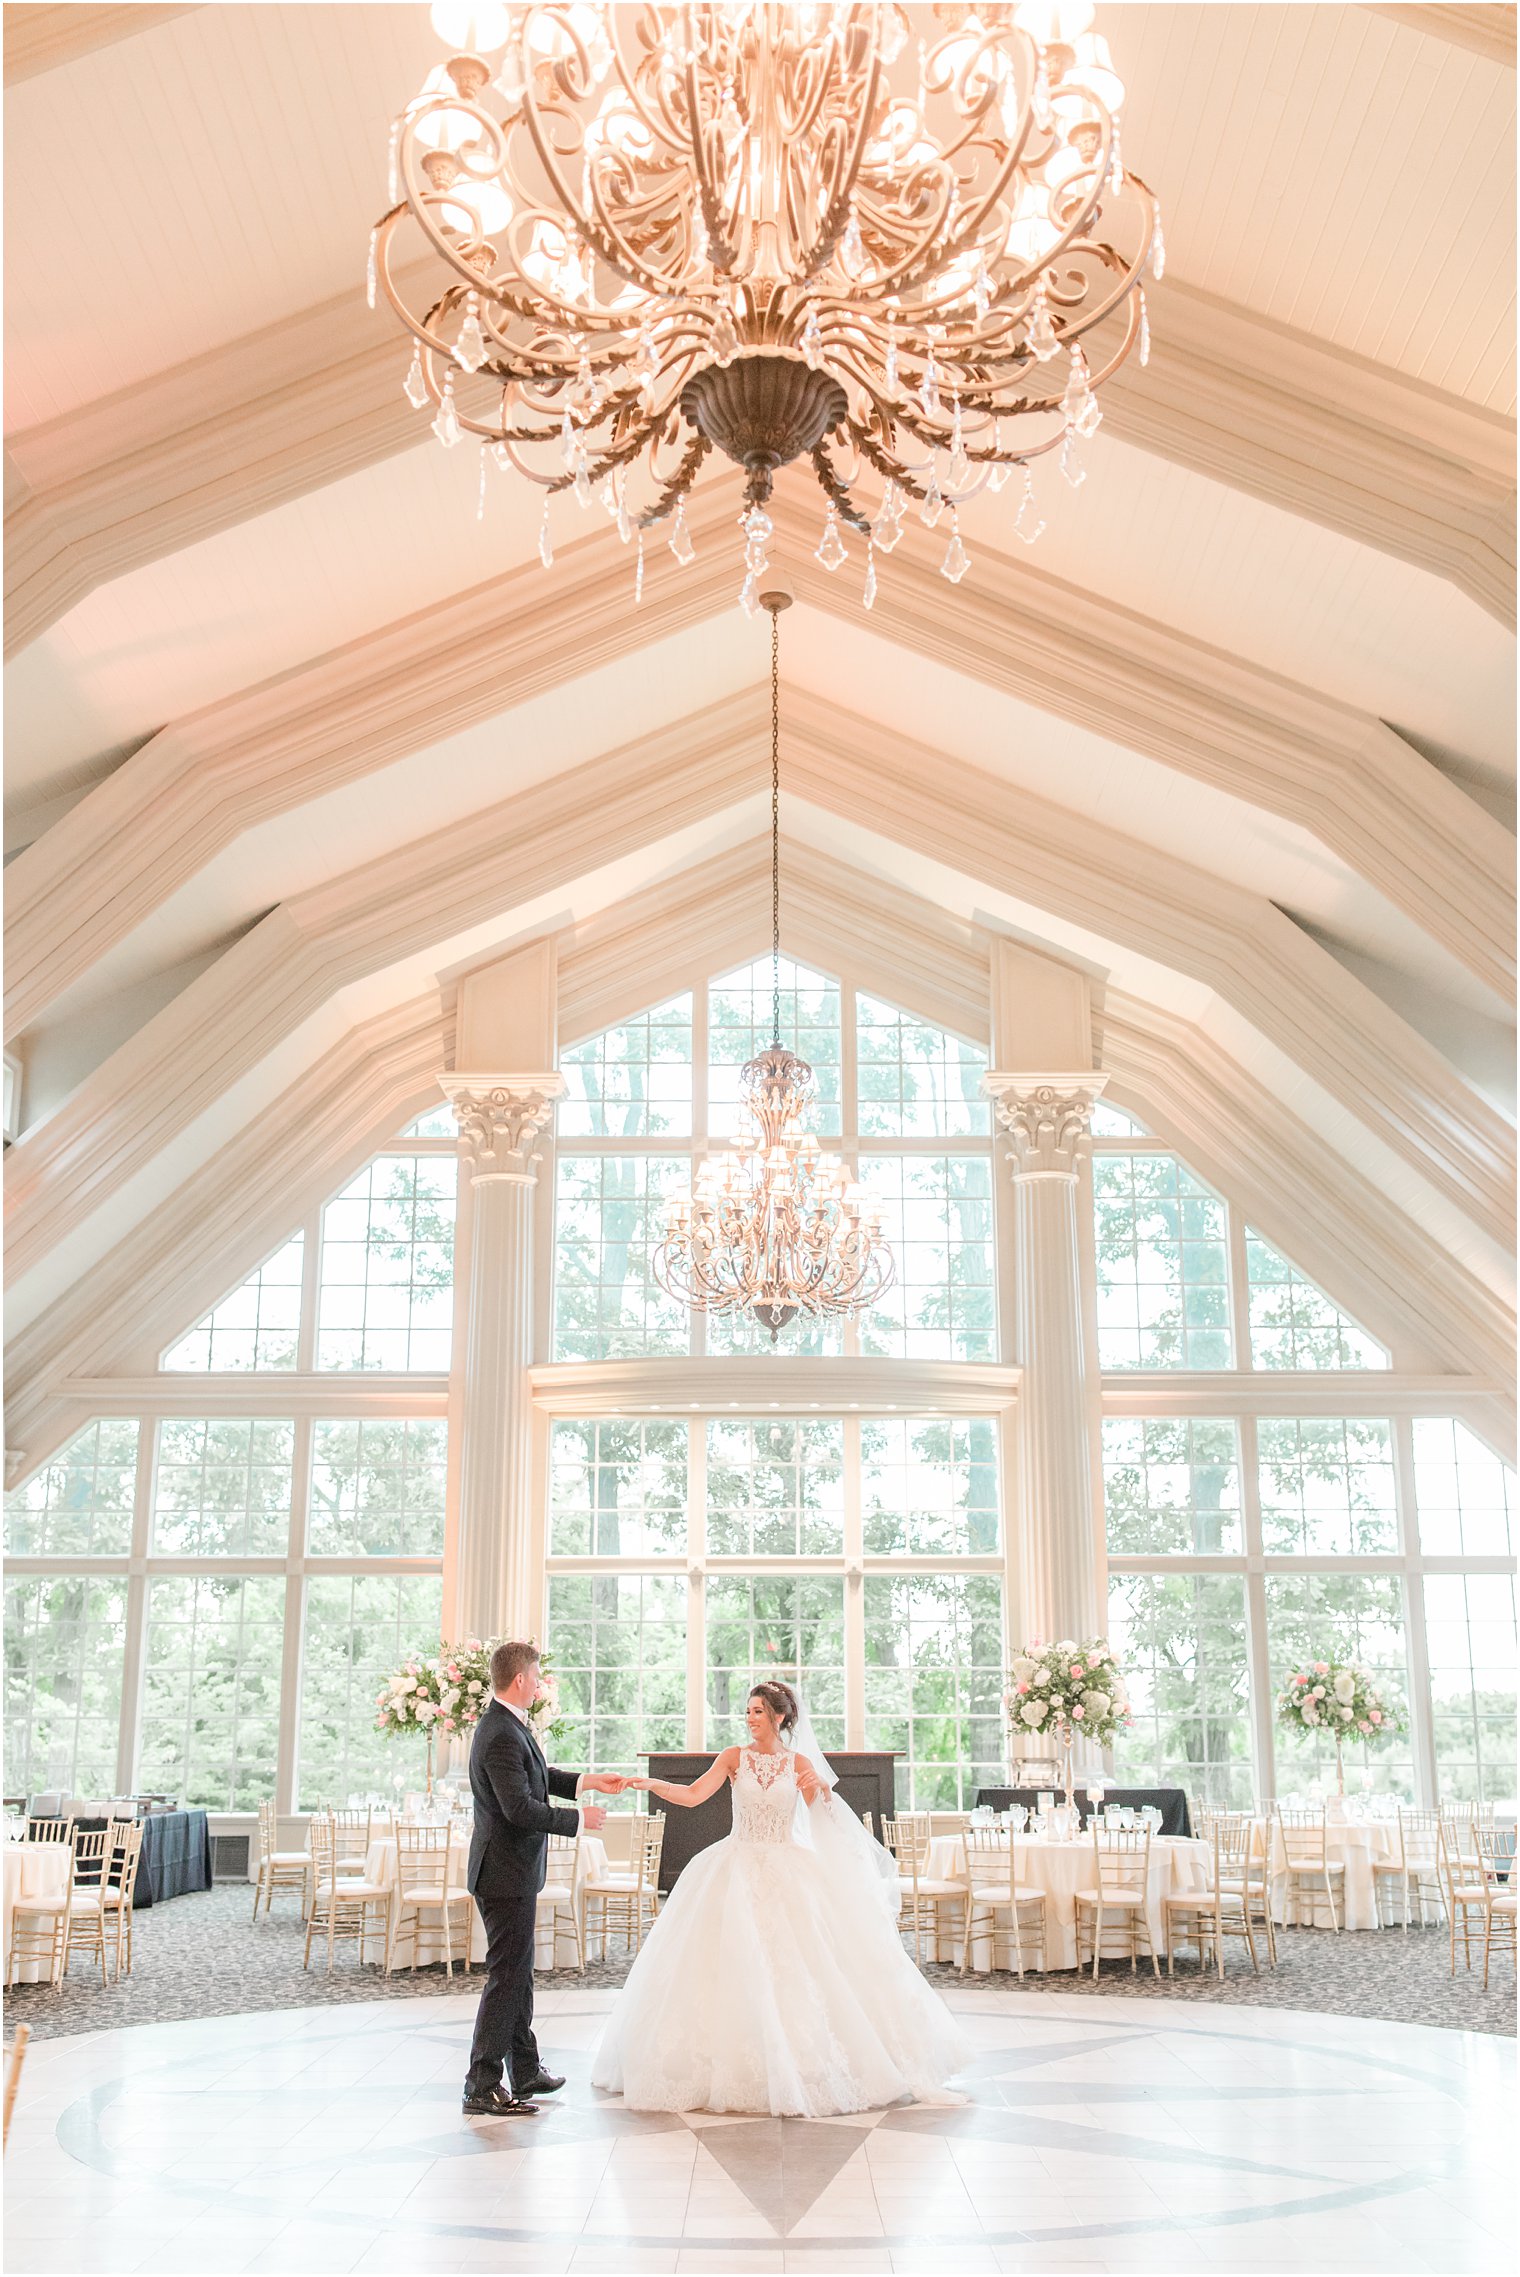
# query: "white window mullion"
1427,1777
311,1283
1258,1641
854,1593
135,1643
1240,1289
286,1769
696,1584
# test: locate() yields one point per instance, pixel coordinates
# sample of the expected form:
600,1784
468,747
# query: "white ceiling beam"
66,1176
132,841
1486,28
40,38
1317,431
1248,402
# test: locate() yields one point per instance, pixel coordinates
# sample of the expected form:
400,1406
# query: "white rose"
1344,1714
405,1684
1345,1687
425,1711
1042,1681
1096,1703
1023,1669
1033,1711
1067,1646
1311,1713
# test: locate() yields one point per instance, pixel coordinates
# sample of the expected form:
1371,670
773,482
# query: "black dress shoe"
496,2103
542,2083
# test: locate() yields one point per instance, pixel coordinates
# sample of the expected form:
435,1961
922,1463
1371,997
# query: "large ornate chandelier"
783,229
775,1227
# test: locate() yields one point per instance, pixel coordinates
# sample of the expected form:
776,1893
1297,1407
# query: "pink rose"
1079,1711
1300,1679
1318,1693
1076,1668
1364,1727
1375,1715
453,1671
1322,1668
1023,1687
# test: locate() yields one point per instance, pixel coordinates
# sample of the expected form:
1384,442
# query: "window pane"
438,1122
64,1640
1109,1121
609,1217
80,1504
916,1081
934,1683
211,1689
775,1488
1340,1616
1294,1324
929,1487
617,1489
1163,1266
1470,1631
378,1488
1181,1642
1465,1495
739,1025
258,1326
633,1081
937,1216
1327,1485
358,1632
222,1489
387,1295
618,1647
783,1625
1171,1486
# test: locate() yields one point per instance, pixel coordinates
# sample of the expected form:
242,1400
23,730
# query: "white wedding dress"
774,1979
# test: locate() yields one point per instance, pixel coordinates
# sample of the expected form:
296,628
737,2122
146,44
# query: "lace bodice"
765,1797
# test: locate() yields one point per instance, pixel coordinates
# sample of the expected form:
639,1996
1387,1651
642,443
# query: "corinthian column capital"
499,1118
1048,1119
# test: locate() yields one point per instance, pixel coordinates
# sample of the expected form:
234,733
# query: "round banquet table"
590,1864
1358,1845
31,1869
1061,1870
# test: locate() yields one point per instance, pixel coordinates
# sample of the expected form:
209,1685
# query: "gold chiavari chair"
560,1899
1123,1856
340,1904
351,1833
1472,1886
1245,1847
118,1888
623,1900
427,1885
14,2062
85,1921
277,1869
1414,1834
1306,1859
50,1829
1207,1917
922,1894
993,1889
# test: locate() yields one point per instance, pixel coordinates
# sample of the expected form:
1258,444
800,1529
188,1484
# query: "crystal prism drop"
414,386
502,457
583,395
446,426
956,562
928,394
582,484
892,35
371,273
1043,115
889,519
1158,252
1115,163
1145,332
890,370
868,595
831,546
981,291
851,250
934,503
567,442
1083,416
1043,338
393,177
812,341
624,525
725,340
680,537
1071,464
749,596
470,348
545,542
996,477
1025,526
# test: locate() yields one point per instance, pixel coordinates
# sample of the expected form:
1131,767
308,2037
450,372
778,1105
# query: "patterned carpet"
202,1956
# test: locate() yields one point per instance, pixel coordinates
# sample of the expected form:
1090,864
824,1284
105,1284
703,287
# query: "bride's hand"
809,1785
638,1786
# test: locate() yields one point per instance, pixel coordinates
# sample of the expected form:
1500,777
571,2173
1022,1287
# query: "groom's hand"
602,1782
593,1819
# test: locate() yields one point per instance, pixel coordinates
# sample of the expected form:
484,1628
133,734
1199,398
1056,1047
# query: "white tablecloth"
1356,1846
590,1860
31,1869
1060,1870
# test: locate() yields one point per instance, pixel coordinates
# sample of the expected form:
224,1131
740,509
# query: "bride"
774,1980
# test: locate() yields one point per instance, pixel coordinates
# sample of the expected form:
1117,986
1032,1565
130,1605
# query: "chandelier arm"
678,486
836,492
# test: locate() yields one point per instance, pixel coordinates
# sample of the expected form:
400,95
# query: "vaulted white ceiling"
292,736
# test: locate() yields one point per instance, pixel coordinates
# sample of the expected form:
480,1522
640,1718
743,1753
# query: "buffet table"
175,1856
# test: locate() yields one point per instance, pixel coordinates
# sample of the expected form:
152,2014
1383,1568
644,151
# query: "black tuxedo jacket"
512,1784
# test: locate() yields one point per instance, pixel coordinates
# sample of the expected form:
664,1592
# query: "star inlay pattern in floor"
1097,2134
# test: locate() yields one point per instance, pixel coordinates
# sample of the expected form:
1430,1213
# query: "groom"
512,1784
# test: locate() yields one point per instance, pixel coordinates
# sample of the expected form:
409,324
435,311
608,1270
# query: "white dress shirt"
526,1721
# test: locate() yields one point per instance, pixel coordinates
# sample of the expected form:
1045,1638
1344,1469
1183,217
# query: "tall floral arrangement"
1068,1691
444,1694
1338,1698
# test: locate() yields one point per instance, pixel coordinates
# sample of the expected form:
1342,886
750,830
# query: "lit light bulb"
471,31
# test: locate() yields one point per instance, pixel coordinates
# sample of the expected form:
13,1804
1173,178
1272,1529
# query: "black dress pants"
504,2021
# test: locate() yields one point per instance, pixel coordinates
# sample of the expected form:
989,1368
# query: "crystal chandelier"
775,1227
784,229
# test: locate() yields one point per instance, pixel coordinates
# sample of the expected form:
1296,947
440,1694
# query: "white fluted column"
500,1118
1047,1120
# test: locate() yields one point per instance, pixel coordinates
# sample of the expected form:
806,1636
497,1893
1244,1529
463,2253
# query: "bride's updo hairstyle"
780,1699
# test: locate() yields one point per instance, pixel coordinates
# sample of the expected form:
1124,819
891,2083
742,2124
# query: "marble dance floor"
1100,2134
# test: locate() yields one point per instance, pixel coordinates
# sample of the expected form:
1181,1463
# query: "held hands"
604,1782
